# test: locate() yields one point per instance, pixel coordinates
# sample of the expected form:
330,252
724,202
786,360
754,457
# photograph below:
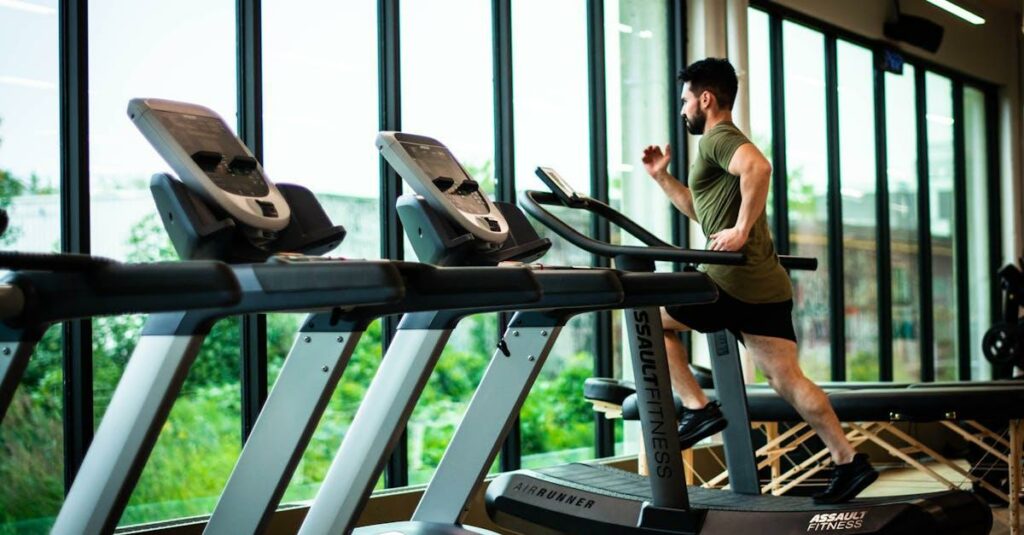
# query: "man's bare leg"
683,381
777,359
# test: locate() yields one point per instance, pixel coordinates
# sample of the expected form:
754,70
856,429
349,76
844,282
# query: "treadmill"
44,288
590,499
451,221
224,207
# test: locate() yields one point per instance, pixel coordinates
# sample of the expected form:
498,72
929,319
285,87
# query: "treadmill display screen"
437,162
557,183
203,138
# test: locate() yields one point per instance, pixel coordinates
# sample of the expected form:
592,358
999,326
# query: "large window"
306,64
979,240
857,178
551,129
759,84
901,150
29,190
136,50
637,89
916,117
942,224
807,188
320,96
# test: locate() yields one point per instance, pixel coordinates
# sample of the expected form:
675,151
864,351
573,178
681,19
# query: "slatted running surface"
626,485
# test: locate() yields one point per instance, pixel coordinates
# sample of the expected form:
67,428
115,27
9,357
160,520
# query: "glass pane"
306,60
979,271
557,424
901,151
760,87
939,116
29,190
638,88
201,439
857,179
452,37
549,91
551,118
807,188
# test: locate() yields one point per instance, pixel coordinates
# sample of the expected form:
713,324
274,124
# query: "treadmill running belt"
620,484
586,499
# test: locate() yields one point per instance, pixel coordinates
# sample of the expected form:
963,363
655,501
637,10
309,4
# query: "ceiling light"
26,82
958,11
936,118
27,6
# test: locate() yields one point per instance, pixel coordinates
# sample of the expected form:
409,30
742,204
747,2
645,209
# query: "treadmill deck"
588,499
617,483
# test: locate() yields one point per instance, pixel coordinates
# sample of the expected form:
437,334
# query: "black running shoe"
698,424
848,480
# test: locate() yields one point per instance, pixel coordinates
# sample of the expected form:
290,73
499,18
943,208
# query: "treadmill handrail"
81,287
655,250
19,260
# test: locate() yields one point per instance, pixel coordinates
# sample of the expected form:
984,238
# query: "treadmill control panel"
434,173
560,187
449,178
209,157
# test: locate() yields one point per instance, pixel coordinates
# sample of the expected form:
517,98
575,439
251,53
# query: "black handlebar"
656,249
84,288
802,263
63,262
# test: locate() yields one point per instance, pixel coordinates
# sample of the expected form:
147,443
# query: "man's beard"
695,126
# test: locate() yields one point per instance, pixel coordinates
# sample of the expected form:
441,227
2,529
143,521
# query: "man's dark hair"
715,75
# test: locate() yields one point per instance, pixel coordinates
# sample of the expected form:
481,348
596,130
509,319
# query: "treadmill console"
434,173
560,187
211,160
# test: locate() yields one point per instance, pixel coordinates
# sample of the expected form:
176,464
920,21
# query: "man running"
728,190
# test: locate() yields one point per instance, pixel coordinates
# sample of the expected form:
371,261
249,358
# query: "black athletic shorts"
764,319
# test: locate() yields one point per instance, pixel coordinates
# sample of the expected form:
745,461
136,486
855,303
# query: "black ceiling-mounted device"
914,30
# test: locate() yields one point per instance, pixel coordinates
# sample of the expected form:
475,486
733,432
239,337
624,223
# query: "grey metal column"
377,426
732,394
282,431
491,413
129,429
15,353
657,409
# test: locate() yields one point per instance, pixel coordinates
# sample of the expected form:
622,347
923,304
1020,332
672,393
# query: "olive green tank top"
716,201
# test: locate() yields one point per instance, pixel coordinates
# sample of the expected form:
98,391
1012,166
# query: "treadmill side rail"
127,433
491,412
657,409
739,447
378,423
15,352
289,417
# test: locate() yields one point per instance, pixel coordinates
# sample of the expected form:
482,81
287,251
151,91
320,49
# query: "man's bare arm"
679,194
755,176
656,162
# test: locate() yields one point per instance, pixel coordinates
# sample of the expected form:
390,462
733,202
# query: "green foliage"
555,416
483,173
